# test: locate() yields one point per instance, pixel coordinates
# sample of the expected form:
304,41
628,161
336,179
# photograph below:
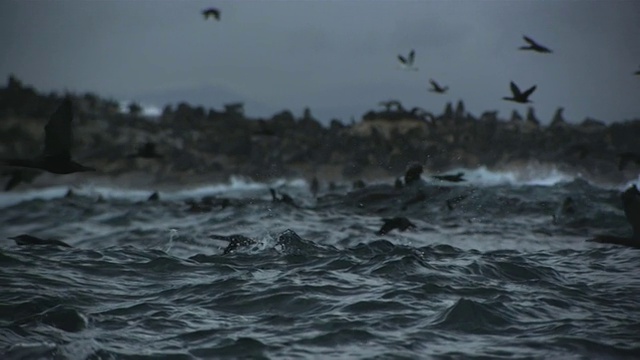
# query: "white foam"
531,175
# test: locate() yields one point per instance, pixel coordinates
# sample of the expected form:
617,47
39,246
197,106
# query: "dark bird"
25,239
436,88
146,151
155,196
58,138
451,178
284,198
235,241
534,46
211,12
400,223
19,176
407,62
520,97
412,174
631,203
627,157
637,72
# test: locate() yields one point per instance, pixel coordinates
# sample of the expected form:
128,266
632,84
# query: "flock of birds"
56,158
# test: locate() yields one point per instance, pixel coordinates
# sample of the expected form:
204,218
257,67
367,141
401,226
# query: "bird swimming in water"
407,62
627,157
534,46
58,138
436,88
520,97
413,173
451,178
211,12
25,239
400,223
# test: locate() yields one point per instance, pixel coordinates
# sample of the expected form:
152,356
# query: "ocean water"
502,272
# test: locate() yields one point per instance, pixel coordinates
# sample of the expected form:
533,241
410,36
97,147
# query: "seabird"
400,223
58,138
25,239
436,88
627,157
534,46
451,178
520,97
407,62
412,174
211,12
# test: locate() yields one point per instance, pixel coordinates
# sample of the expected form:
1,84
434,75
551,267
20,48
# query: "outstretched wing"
434,84
402,59
57,133
529,40
529,92
412,56
515,90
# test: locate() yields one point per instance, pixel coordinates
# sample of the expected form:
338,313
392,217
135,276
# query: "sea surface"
500,272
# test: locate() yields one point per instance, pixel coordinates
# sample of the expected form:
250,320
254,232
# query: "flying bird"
436,88
637,72
534,46
407,62
211,12
520,97
58,138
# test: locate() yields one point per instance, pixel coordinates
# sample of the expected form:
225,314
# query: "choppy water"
495,277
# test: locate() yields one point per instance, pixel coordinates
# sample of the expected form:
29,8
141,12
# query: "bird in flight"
637,72
534,46
407,62
211,12
520,97
436,88
58,138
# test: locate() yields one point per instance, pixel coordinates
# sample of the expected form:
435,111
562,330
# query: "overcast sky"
338,57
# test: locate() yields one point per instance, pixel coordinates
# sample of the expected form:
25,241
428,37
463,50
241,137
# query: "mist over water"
504,273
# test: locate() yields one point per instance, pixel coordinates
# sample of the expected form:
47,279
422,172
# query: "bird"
436,88
627,157
631,203
58,138
451,178
407,62
211,12
520,97
637,72
25,239
400,223
534,46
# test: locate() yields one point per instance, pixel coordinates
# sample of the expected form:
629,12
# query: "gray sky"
338,57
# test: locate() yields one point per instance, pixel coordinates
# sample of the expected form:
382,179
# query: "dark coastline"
201,145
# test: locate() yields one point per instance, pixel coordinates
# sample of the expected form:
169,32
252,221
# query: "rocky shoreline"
197,145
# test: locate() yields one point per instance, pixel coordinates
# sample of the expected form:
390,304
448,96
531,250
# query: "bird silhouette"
25,239
451,178
534,46
58,138
211,12
436,88
631,203
627,157
520,97
407,62
400,223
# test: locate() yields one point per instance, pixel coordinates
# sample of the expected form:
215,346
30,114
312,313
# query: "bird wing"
434,84
515,90
402,59
412,56
529,40
530,91
57,133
